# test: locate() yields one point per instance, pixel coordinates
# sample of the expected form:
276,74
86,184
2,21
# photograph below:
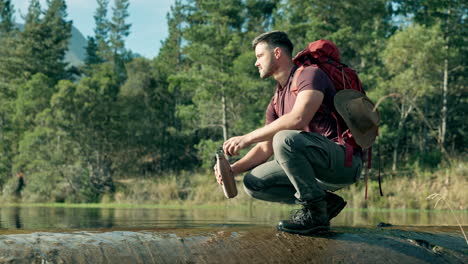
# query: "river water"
56,219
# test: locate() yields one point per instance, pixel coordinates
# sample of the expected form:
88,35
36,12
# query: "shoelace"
299,216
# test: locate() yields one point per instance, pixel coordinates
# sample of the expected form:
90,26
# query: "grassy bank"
413,189
402,190
409,190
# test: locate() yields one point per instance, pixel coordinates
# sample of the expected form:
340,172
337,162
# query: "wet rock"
382,224
235,245
8,242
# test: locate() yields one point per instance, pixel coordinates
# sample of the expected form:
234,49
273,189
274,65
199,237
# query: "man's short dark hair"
275,39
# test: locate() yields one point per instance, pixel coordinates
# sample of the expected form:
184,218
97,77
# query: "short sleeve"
313,78
270,114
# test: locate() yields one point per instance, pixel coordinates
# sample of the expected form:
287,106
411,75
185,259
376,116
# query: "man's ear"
277,52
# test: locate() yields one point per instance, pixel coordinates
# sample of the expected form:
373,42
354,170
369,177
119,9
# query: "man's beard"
269,70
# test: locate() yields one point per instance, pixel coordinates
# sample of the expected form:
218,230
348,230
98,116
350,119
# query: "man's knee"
284,140
249,191
287,144
252,183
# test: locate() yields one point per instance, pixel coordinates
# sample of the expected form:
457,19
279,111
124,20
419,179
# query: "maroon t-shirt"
311,78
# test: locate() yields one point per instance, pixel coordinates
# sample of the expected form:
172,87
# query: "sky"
148,19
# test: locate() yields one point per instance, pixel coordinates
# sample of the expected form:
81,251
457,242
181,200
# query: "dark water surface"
226,235
57,219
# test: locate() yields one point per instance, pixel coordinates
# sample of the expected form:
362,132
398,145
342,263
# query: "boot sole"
313,230
335,211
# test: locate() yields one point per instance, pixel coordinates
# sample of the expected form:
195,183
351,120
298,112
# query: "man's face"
266,62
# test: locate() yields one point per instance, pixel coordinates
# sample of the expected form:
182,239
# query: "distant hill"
76,53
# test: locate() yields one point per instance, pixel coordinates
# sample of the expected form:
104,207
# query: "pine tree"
59,35
101,31
358,27
92,57
216,46
119,30
212,26
44,41
8,43
167,63
7,23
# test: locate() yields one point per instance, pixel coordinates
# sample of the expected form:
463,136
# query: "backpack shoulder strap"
296,76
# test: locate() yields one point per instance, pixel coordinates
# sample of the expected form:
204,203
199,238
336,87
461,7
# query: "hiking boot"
311,218
334,204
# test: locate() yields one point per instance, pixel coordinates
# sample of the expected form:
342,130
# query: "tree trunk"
395,153
424,133
443,128
403,115
2,125
225,125
396,143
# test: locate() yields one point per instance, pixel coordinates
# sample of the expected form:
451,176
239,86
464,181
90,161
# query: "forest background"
122,128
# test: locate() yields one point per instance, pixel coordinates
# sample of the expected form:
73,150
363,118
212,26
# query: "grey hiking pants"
305,165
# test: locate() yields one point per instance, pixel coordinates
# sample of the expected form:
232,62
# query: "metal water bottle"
224,168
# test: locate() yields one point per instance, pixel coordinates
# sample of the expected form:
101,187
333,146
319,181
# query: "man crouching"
307,163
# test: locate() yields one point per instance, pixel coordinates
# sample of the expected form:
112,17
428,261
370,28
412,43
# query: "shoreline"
212,206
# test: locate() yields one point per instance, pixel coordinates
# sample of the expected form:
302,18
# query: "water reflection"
16,217
56,218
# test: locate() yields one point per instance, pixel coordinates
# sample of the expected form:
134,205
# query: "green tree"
8,42
86,112
214,25
7,21
451,15
33,97
412,57
171,60
92,57
46,155
101,31
215,39
119,30
44,41
211,27
358,27
146,107
259,14
59,35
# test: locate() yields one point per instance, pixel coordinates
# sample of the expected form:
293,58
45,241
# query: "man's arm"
256,156
307,103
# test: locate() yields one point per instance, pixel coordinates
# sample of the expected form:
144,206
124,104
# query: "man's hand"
233,145
219,179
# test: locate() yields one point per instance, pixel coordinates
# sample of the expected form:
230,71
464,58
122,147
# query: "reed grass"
199,189
407,192
438,198
410,191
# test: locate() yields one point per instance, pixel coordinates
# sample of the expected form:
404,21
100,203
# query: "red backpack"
325,55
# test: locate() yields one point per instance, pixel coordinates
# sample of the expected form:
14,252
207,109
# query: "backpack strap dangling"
367,167
366,172
349,155
349,149
380,178
369,158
